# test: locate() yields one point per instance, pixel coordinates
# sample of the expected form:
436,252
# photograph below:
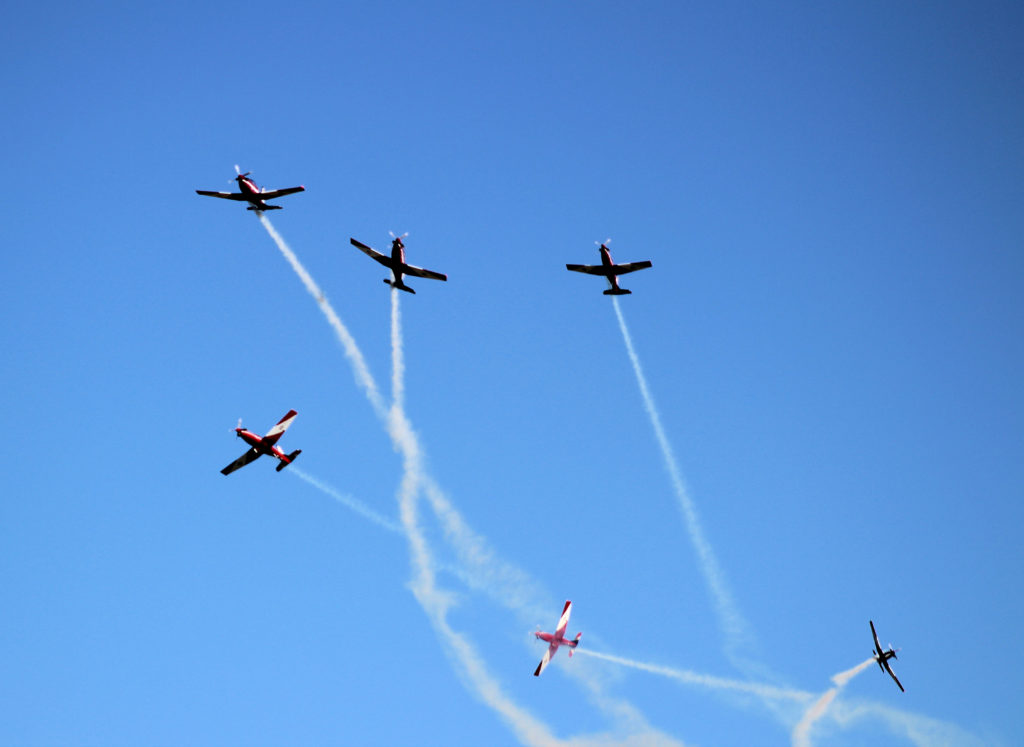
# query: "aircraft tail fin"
574,643
291,458
617,292
400,285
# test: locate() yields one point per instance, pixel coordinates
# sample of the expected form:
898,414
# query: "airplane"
264,445
557,639
396,263
610,270
251,193
882,657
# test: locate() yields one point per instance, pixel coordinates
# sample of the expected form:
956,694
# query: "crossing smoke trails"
434,600
482,570
801,736
736,629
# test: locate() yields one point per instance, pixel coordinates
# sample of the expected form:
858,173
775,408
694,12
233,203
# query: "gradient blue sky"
832,332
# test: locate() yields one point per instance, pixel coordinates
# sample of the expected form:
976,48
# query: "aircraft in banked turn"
610,270
251,193
396,263
882,657
264,445
556,639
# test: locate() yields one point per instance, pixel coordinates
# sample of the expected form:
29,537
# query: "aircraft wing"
630,267
547,657
223,195
250,456
885,663
382,258
878,646
271,194
421,273
563,621
589,269
278,430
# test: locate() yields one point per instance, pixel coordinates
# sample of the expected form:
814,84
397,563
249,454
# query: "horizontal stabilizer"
400,286
268,207
291,458
617,292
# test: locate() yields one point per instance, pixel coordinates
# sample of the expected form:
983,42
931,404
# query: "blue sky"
831,335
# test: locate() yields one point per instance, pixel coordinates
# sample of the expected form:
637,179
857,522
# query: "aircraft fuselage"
252,193
559,641
256,442
398,265
608,264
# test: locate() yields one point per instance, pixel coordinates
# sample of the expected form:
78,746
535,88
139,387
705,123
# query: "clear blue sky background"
832,331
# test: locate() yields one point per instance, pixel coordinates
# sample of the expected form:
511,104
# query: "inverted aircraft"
882,657
396,263
256,197
610,270
557,639
264,445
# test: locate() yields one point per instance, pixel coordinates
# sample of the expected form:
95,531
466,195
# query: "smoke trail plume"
736,629
397,356
349,502
801,736
355,356
765,692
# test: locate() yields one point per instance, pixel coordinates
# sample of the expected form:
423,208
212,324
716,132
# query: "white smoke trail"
736,629
765,692
349,502
355,356
397,356
922,731
801,736
484,571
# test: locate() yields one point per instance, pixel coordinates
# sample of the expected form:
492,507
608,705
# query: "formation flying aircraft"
882,657
252,194
264,445
556,639
610,270
396,263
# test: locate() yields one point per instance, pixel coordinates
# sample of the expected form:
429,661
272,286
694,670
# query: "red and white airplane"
251,193
264,445
556,639
882,657
396,263
610,270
